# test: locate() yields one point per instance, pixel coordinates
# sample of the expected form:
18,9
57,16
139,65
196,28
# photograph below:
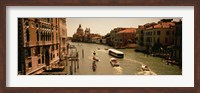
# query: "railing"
48,43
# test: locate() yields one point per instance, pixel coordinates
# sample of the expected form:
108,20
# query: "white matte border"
184,80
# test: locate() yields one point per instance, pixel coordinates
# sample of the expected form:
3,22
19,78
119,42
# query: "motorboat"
94,66
145,68
95,58
116,53
114,62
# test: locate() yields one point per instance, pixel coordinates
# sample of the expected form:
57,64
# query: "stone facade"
63,38
154,36
125,37
38,44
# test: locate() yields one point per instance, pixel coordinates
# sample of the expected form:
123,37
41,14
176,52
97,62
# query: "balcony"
48,43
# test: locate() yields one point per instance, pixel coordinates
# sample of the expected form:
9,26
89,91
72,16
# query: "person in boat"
94,66
144,68
94,53
95,59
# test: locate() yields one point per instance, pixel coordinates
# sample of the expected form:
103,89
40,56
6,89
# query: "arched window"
48,36
44,36
52,36
27,24
37,32
56,37
27,35
41,36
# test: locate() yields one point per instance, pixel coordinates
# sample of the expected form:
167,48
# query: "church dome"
79,28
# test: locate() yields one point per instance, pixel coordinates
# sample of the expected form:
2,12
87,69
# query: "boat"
95,58
114,62
145,68
116,53
94,66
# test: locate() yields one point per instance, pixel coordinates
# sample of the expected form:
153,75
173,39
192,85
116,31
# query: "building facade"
154,36
38,44
113,35
177,49
125,37
62,37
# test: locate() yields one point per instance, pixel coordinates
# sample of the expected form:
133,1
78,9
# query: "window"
27,35
52,36
37,50
26,23
49,36
52,47
158,40
158,32
39,61
51,56
41,36
167,33
37,25
56,37
142,32
42,59
37,32
45,36
166,40
48,20
29,65
56,47
28,52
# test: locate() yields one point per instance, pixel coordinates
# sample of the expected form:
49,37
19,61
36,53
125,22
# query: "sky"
103,26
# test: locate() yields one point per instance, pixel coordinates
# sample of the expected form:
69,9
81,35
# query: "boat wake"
150,72
118,70
146,73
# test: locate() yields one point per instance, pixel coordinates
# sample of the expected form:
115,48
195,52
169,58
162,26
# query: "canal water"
129,65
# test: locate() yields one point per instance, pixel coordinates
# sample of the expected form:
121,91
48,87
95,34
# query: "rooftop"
127,30
162,25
